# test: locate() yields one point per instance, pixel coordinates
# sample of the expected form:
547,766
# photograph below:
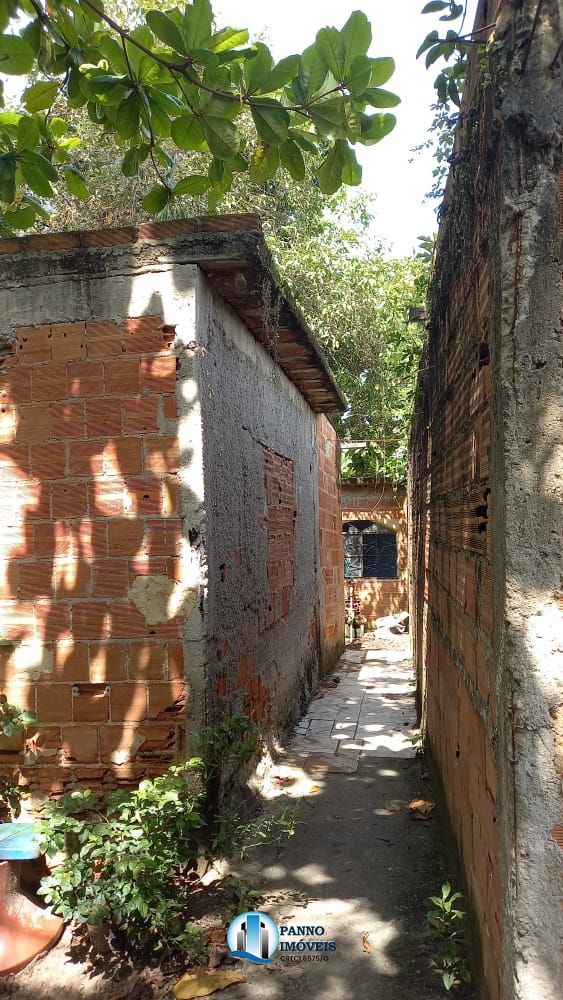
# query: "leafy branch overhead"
176,83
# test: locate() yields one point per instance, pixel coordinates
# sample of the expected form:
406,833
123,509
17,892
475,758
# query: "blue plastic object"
18,842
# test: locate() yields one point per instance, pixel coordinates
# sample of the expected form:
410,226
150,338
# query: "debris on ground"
398,624
204,983
421,808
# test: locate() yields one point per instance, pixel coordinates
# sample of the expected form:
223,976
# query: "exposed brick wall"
331,631
386,506
89,504
280,517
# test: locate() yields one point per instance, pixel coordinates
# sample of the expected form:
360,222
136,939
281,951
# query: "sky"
398,29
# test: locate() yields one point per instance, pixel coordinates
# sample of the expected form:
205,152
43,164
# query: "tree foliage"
162,83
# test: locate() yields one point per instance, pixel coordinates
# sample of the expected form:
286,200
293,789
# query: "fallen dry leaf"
366,946
315,788
204,983
421,808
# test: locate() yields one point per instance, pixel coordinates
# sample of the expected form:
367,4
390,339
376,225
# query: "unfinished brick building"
374,522
164,455
485,503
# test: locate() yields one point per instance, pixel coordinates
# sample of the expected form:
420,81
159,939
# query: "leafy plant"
228,744
13,719
127,856
445,920
11,795
163,83
233,832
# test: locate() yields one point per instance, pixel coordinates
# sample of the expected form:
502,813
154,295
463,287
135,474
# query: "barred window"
370,551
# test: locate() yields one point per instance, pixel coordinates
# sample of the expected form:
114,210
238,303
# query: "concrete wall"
381,503
485,496
261,478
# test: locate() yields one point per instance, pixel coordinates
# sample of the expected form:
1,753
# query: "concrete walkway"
358,865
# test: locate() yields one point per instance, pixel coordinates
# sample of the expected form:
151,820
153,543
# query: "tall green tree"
165,82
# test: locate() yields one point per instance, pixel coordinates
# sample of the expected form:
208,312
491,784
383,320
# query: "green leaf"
75,182
382,70
28,134
167,30
228,38
358,77
292,159
127,117
271,120
313,72
282,74
374,128
379,98
187,133
304,140
434,6
198,24
222,137
264,164
258,68
351,171
331,51
22,218
329,117
37,173
40,96
16,56
330,171
356,38
193,185
430,39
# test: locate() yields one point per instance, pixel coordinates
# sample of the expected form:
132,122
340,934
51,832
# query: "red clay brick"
146,661
103,339
127,622
125,537
128,702
103,417
108,497
162,454
147,334
35,580
122,376
164,537
33,423
33,344
108,661
90,703
49,383
140,415
85,458
123,457
72,578
7,424
91,538
53,620
69,500
159,374
90,621
70,662
175,661
166,699
67,420
54,702
80,743
85,378
110,578
145,495
15,385
169,407
68,341
48,461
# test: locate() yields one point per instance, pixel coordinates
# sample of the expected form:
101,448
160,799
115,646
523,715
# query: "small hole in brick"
146,496
484,354
457,754
152,631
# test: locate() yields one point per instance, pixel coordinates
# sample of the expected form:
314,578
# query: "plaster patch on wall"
160,599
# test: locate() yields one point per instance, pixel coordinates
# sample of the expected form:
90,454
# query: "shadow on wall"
97,577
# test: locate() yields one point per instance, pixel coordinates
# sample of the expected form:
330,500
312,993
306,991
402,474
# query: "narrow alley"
359,866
